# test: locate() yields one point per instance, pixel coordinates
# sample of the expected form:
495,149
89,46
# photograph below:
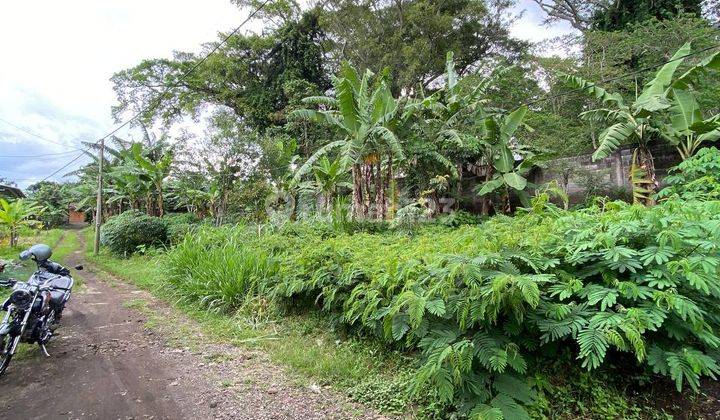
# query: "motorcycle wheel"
6,343
48,327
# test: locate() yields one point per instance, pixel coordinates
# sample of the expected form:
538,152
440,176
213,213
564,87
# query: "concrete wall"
580,172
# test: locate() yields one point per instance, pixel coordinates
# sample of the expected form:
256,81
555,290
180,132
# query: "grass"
365,370
306,343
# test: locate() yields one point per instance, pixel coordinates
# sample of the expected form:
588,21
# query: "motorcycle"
34,308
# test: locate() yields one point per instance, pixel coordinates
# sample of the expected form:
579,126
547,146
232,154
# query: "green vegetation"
365,203
124,233
486,305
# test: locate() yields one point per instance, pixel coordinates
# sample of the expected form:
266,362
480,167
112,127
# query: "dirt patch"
108,363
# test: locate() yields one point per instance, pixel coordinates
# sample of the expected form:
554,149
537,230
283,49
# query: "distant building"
9,192
75,216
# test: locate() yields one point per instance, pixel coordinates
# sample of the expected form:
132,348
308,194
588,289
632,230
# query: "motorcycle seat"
58,297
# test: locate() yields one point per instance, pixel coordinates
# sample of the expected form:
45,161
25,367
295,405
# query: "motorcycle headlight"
20,298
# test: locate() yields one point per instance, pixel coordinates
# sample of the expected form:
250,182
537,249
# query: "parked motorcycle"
34,308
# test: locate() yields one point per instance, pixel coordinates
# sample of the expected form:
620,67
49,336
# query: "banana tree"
156,172
329,177
366,116
643,120
450,124
502,174
17,214
688,129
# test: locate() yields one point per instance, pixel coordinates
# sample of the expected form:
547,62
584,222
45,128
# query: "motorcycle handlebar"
8,283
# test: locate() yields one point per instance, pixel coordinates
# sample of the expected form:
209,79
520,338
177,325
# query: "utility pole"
98,209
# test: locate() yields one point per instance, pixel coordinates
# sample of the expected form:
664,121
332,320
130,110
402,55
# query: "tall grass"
219,274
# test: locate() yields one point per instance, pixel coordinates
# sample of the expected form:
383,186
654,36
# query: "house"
8,192
75,216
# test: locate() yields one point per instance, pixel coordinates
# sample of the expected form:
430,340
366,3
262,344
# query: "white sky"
58,57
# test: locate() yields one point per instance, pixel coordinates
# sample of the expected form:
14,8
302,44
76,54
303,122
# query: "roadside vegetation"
376,220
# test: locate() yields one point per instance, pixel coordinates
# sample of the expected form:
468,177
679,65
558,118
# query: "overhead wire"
156,101
27,131
620,77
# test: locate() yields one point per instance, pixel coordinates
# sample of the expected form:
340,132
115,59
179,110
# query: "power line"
36,156
25,130
63,167
154,103
622,76
159,98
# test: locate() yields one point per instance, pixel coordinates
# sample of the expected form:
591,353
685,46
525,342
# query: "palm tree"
329,176
366,117
643,120
17,214
155,172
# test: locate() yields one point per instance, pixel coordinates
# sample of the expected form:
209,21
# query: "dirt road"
107,364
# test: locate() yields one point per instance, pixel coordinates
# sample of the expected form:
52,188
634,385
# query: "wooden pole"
98,208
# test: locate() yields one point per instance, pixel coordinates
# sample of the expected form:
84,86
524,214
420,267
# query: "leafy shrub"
484,304
124,233
179,225
695,178
459,218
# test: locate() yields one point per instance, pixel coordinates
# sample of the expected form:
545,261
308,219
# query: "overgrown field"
556,313
489,306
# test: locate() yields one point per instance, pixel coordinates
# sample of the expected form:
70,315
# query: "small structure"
8,192
75,216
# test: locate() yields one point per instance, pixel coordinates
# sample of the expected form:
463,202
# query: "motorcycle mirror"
79,267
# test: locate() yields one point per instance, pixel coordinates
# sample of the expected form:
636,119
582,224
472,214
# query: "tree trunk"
149,205
507,209
485,200
357,191
389,186
379,193
160,203
459,187
366,187
646,162
13,237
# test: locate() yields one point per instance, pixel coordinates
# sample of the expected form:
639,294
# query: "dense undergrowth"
496,310
488,305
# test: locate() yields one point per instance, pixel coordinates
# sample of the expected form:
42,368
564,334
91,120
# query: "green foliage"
219,274
695,178
178,225
54,198
485,303
15,215
458,218
124,233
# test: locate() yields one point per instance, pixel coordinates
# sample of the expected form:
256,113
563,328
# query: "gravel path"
107,363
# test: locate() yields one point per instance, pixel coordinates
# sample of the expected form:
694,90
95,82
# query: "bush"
179,225
124,233
459,218
695,178
486,305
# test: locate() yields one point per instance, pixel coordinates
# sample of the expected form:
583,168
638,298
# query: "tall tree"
254,76
613,15
410,37
364,113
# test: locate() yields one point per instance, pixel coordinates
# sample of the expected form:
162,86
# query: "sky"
58,57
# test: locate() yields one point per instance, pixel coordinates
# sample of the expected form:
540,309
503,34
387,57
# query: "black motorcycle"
34,308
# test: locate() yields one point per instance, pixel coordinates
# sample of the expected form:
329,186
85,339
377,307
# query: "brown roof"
11,192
